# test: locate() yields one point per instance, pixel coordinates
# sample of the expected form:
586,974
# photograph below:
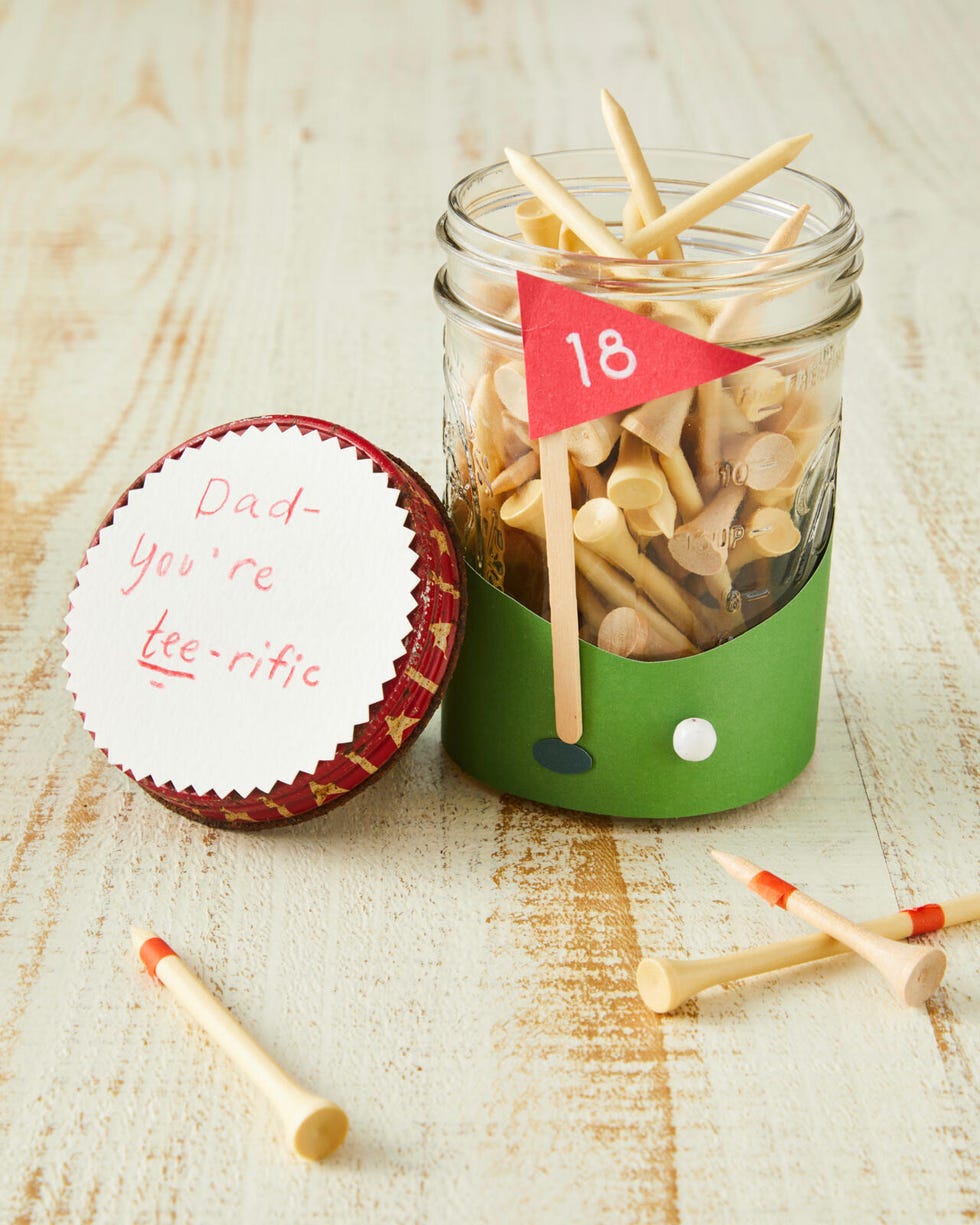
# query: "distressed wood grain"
215,210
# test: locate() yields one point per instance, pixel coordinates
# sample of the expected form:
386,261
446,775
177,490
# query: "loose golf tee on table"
313,1126
912,972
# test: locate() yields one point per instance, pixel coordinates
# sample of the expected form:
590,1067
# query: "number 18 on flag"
610,346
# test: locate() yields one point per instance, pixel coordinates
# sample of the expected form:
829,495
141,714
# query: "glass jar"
746,464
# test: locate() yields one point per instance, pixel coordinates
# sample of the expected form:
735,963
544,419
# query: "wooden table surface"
217,210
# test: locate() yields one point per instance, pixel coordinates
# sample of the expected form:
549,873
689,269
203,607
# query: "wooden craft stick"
912,972
560,548
637,172
664,983
591,606
562,203
313,1126
538,225
721,191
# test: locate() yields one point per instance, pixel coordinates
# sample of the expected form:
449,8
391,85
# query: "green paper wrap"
760,692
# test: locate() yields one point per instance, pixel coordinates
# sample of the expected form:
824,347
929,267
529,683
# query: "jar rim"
458,229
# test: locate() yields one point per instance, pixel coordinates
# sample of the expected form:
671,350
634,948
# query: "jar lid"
264,620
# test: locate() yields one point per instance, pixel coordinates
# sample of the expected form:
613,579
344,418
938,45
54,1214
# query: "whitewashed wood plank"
177,247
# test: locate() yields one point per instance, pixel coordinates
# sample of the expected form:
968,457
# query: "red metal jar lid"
152,674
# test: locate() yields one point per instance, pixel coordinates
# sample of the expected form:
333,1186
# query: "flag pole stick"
560,550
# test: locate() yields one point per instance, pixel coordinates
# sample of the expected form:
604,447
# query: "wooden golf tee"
600,526
659,422
590,442
665,983
313,1127
563,204
714,195
733,312
628,632
516,474
769,532
912,972
637,481
761,461
701,545
524,510
560,550
643,188
538,225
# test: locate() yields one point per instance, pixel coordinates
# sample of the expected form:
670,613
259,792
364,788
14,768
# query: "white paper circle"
241,613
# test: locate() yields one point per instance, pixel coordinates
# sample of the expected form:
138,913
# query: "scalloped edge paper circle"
242,610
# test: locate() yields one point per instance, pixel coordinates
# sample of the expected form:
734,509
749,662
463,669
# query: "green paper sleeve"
760,692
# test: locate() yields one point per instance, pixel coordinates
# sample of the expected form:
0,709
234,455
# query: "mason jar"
700,518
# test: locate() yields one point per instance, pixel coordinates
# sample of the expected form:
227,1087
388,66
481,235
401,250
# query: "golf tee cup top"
698,400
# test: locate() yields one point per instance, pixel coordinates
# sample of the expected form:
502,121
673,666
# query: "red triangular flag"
584,358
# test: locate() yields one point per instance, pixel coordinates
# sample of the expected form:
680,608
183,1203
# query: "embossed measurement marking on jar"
720,538
739,474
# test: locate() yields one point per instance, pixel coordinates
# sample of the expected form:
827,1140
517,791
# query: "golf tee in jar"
702,518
